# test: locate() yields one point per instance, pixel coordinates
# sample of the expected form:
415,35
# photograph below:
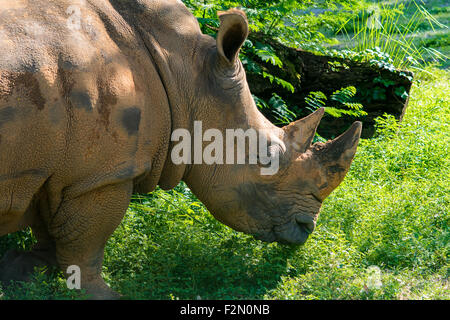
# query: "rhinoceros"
90,94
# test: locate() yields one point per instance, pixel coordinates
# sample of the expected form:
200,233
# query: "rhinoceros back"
81,105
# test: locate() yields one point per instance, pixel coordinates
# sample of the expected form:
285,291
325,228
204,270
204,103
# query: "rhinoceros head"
282,206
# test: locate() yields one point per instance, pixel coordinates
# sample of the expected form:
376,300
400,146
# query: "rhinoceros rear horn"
299,134
232,33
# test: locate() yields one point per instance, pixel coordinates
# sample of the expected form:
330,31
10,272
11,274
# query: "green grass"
383,234
412,32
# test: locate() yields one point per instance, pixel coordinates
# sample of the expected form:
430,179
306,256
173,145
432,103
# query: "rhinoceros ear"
299,134
232,33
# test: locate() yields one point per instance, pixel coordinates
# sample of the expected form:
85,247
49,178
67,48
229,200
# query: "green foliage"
281,110
277,107
384,27
42,286
374,56
343,98
292,22
316,99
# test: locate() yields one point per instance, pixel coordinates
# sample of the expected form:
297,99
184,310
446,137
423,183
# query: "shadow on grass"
145,260
229,270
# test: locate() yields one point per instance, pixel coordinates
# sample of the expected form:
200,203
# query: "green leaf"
283,83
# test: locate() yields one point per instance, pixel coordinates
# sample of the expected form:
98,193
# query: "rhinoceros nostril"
307,223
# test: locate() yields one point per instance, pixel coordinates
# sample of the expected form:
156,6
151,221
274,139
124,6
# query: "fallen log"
379,89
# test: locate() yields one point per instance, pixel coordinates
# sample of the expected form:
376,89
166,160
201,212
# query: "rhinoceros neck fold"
171,174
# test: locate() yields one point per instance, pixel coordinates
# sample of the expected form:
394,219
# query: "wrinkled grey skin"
90,93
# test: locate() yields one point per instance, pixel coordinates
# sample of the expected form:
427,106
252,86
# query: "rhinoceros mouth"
295,231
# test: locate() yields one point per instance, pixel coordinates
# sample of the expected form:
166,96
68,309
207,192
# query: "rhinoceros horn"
336,156
301,132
